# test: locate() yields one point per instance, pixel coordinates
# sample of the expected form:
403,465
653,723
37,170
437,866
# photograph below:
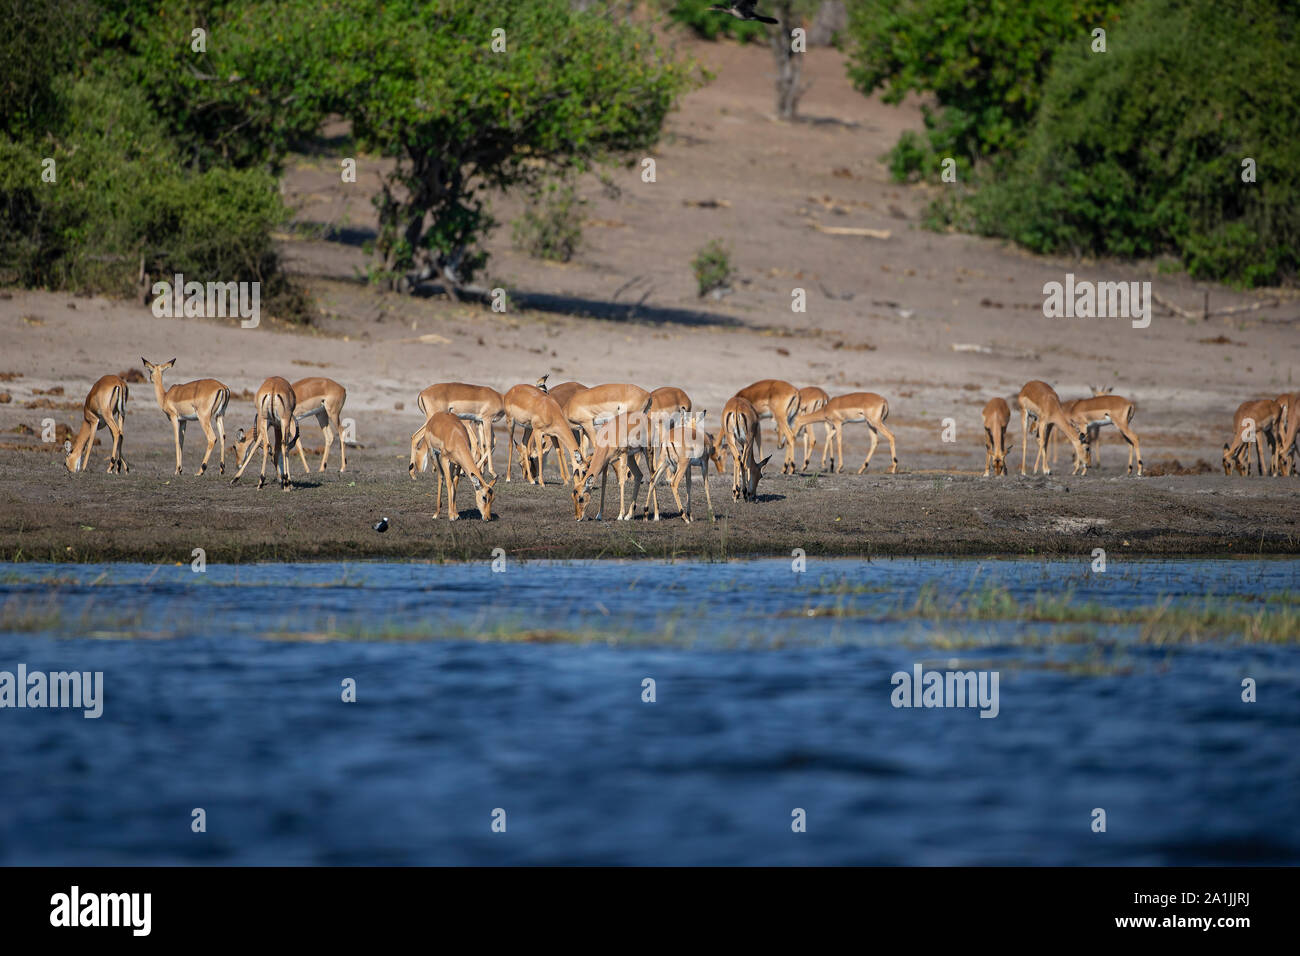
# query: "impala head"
73,462
483,495
1080,429
746,484
541,382
1098,390
155,371
1229,460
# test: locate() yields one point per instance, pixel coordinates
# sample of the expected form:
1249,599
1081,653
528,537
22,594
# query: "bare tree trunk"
789,64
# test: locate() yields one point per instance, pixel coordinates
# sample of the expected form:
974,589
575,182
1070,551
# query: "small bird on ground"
382,525
743,10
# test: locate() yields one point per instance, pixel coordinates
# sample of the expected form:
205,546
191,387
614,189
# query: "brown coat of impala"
854,408
475,403
811,399
203,400
105,407
1288,427
684,445
447,437
619,439
740,431
1096,411
1253,420
275,404
1040,401
541,418
561,394
996,417
322,398
778,400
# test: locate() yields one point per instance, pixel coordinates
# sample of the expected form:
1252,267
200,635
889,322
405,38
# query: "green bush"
551,227
712,267
1138,152
711,24
985,64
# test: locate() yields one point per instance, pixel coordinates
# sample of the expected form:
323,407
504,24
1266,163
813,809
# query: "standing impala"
1253,420
1094,412
541,418
778,400
852,409
561,394
811,399
275,403
1288,427
996,416
740,428
322,398
105,407
447,438
619,439
203,400
1040,401
686,444
475,403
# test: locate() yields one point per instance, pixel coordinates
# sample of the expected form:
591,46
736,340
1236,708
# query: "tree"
790,88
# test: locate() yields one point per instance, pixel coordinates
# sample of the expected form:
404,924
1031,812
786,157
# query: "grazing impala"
1040,401
740,428
105,407
851,409
620,438
686,444
204,401
541,418
997,416
1097,411
561,394
475,403
811,399
447,438
1094,429
322,398
275,403
1252,420
779,401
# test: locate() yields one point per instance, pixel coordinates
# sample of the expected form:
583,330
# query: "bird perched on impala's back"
743,10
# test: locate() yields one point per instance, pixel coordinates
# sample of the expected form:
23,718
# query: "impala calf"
274,403
996,416
105,407
204,401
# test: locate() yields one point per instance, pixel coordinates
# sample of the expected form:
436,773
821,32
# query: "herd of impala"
590,429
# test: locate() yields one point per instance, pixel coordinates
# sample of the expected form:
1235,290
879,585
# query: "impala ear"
493,483
763,464
145,361
170,364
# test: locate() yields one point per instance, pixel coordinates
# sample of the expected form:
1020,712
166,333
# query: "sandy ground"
894,315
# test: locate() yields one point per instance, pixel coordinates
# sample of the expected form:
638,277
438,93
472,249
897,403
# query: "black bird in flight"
744,10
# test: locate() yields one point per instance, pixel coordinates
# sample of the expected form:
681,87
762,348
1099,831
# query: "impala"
1040,401
448,438
740,428
620,438
274,403
322,398
1288,427
1097,411
1094,428
105,407
541,417
475,403
686,444
561,394
811,399
996,416
1252,420
779,401
204,401
851,409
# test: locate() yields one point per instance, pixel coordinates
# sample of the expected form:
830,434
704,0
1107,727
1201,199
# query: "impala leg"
510,449
704,475
1134,449
266,444
875,440
118,432
1024,437
178,433
206,425
988,450
221,440
838,464
327,428
437,502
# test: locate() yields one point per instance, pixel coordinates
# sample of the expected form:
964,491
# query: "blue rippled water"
222,691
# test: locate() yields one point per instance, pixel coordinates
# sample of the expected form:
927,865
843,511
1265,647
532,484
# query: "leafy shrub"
1139,151
551,227
710,24
712,267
